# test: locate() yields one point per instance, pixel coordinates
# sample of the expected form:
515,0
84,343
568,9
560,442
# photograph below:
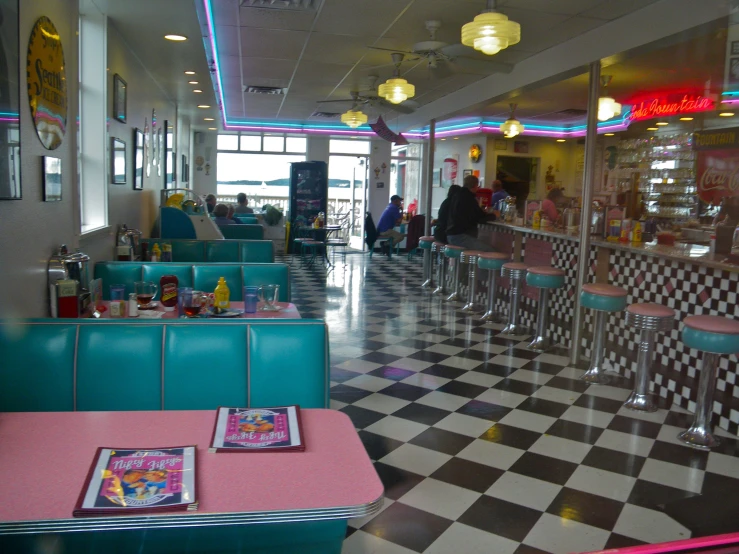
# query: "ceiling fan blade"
400,108
454,50
482,66
391,50
330,101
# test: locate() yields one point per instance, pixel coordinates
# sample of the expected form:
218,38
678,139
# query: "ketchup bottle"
168,287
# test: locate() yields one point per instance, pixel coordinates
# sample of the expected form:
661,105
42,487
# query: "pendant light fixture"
608,108
491,31
354,118
511,127
396,90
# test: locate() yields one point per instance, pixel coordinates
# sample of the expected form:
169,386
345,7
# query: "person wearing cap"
464,216
390,218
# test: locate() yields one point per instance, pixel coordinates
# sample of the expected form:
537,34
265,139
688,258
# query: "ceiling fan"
441,57
370,98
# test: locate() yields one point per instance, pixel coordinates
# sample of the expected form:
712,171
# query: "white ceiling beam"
653,22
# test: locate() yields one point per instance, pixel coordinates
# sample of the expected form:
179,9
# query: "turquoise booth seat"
247,218
199,276
194,251
120,365
246,231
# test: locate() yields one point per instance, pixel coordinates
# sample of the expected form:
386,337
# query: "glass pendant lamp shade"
608,108
511,127
490,32
354,118
396,90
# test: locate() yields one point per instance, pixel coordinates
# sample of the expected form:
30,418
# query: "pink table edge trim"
701,542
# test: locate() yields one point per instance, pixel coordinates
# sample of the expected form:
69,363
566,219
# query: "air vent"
573,113
292,5
325,115
264,90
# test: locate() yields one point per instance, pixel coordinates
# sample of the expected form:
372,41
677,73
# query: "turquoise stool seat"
426,243
545,278
492,260
454,253
604,299
451,251
713,335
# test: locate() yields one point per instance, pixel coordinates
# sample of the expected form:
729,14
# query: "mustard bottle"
536,220
156,253
636,233
222,294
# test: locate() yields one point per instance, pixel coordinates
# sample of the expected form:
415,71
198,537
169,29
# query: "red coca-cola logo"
717,175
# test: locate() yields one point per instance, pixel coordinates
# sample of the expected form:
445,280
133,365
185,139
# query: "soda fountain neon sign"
670,104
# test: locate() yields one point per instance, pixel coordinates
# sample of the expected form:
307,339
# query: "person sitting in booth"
231,215
391,217
464,216
210,202
549,204
242,206
443,219
221,215
499,194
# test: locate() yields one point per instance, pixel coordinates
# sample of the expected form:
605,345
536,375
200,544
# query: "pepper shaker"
133,305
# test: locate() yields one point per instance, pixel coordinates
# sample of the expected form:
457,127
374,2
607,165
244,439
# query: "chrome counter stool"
649,319
425,244
544,278
493,262
454,253
438,247
713,335
469,257
516,272
603,299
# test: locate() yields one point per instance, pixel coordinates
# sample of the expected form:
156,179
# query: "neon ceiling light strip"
214,47
730,93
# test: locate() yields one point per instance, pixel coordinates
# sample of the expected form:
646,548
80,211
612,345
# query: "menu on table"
137,481
258,430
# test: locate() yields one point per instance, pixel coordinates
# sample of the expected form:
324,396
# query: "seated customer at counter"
443,220
499,194
464,216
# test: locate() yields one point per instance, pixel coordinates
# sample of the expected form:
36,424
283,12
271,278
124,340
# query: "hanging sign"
717,175
665,105
47,83
384,132
450,170
716,139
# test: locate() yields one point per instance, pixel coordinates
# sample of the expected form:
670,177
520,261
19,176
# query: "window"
273,144
228,142
405,173
250,142
295,144
337,146
93,139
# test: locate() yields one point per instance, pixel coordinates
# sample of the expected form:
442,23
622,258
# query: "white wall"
204,175
458,147
30,228
379,198
317,149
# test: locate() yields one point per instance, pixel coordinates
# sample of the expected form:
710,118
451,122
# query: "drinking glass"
192,302
180,306
117,292
251,297
146,291
269,295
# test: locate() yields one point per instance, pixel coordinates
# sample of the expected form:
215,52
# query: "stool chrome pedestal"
454,253
493,262
425,244
516,272
649,319
603,299
438,247
469,257
713,335
544,278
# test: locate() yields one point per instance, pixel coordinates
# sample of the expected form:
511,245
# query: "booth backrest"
90,365
244,231
247,218
193,251
199,276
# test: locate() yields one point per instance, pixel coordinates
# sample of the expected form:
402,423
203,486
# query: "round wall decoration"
47,83
475,153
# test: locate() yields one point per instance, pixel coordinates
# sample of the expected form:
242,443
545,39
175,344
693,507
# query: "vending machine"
308,194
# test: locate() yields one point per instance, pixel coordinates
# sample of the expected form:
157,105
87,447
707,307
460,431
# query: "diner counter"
680,252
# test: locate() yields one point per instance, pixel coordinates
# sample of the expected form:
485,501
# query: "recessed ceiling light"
193,83
197,90
443,139
726,114
175,38
609,134
560,140
204,106
652,128
456,138
189,73
686,119
208,119
212,128
661,123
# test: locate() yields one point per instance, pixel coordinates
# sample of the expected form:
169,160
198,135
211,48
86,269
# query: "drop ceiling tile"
286,20
228,41
354,17
337,48
411,26
566,7
257,70
274,44
566,30
613,9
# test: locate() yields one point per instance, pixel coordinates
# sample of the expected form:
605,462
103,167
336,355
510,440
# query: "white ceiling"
323,55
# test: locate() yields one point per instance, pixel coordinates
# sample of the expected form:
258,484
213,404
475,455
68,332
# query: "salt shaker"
133,305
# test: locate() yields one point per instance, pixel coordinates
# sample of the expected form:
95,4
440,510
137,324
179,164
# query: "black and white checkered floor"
486,447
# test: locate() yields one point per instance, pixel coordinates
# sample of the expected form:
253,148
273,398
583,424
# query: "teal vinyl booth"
194,251
90,365
244,231
198,276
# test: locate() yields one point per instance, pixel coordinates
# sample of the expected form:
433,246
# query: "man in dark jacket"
443,220
464,216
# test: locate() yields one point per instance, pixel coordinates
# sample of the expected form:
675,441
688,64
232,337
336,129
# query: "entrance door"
348,184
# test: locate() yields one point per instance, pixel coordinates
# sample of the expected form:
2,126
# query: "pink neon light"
675,546
9,119
211,27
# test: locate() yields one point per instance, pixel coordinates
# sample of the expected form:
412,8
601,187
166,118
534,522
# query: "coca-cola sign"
717,175
670,104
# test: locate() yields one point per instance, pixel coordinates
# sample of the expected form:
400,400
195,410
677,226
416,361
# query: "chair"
416,227
371,236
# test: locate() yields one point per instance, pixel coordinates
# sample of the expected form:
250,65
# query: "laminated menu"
257,430
138,481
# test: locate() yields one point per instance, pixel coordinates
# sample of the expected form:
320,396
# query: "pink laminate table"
288,311
46,457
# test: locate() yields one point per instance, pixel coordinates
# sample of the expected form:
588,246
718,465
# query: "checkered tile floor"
487,447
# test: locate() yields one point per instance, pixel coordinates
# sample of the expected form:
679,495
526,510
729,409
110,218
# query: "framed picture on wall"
521,147
120,88
436,177
117,161
52,179
500,144
138,159
466,172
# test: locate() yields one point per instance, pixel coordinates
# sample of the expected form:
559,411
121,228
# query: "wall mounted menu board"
10,170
